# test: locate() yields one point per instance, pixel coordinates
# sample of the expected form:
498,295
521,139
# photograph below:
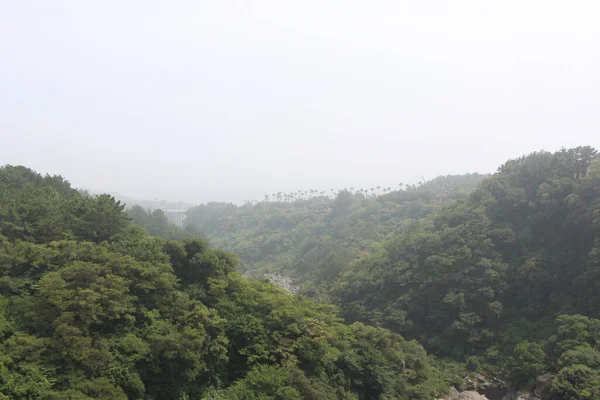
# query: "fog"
229,100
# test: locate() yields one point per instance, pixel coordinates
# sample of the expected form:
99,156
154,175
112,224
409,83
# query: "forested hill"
523,248
92,307
501,273
312,236
507,279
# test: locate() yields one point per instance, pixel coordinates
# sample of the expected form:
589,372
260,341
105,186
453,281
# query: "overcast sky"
228,100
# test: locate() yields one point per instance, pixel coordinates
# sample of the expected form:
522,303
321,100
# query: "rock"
541,391
283,282
514,396
453,392
468,395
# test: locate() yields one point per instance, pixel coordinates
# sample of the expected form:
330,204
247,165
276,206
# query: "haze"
224,100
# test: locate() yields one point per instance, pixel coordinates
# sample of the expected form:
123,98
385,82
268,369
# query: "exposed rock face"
514,396
283,282
468,395
541,391
491,386
494,388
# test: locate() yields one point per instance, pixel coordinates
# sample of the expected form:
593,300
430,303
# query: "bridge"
175,216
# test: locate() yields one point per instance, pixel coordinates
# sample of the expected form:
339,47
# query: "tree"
527,363
99,218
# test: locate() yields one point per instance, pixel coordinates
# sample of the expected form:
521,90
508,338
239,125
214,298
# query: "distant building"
175,216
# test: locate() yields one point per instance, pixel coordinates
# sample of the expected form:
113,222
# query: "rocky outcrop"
495,389
283,282
468,395
491,387
515,396
541,391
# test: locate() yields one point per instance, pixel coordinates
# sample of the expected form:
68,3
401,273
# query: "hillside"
506,279
523,246
498,272
311,237
497,277
91,307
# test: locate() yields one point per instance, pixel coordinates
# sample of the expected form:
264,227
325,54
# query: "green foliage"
522,245
264,382
92,307
42,209
527,363
578,382
475,269
498,276
313,237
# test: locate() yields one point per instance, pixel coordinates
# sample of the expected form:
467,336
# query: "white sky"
228,100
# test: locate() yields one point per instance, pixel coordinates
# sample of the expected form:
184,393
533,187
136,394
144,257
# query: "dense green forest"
92,307
507,278
311,236
459,281
501,272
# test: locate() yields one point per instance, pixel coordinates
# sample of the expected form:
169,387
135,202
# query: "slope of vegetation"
92,307
509,276
312,237
501,273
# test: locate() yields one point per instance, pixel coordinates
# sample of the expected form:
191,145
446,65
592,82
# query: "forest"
500,273
463,282
93,307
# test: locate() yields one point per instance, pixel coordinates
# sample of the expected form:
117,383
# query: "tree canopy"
92,307
487,270
495,275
